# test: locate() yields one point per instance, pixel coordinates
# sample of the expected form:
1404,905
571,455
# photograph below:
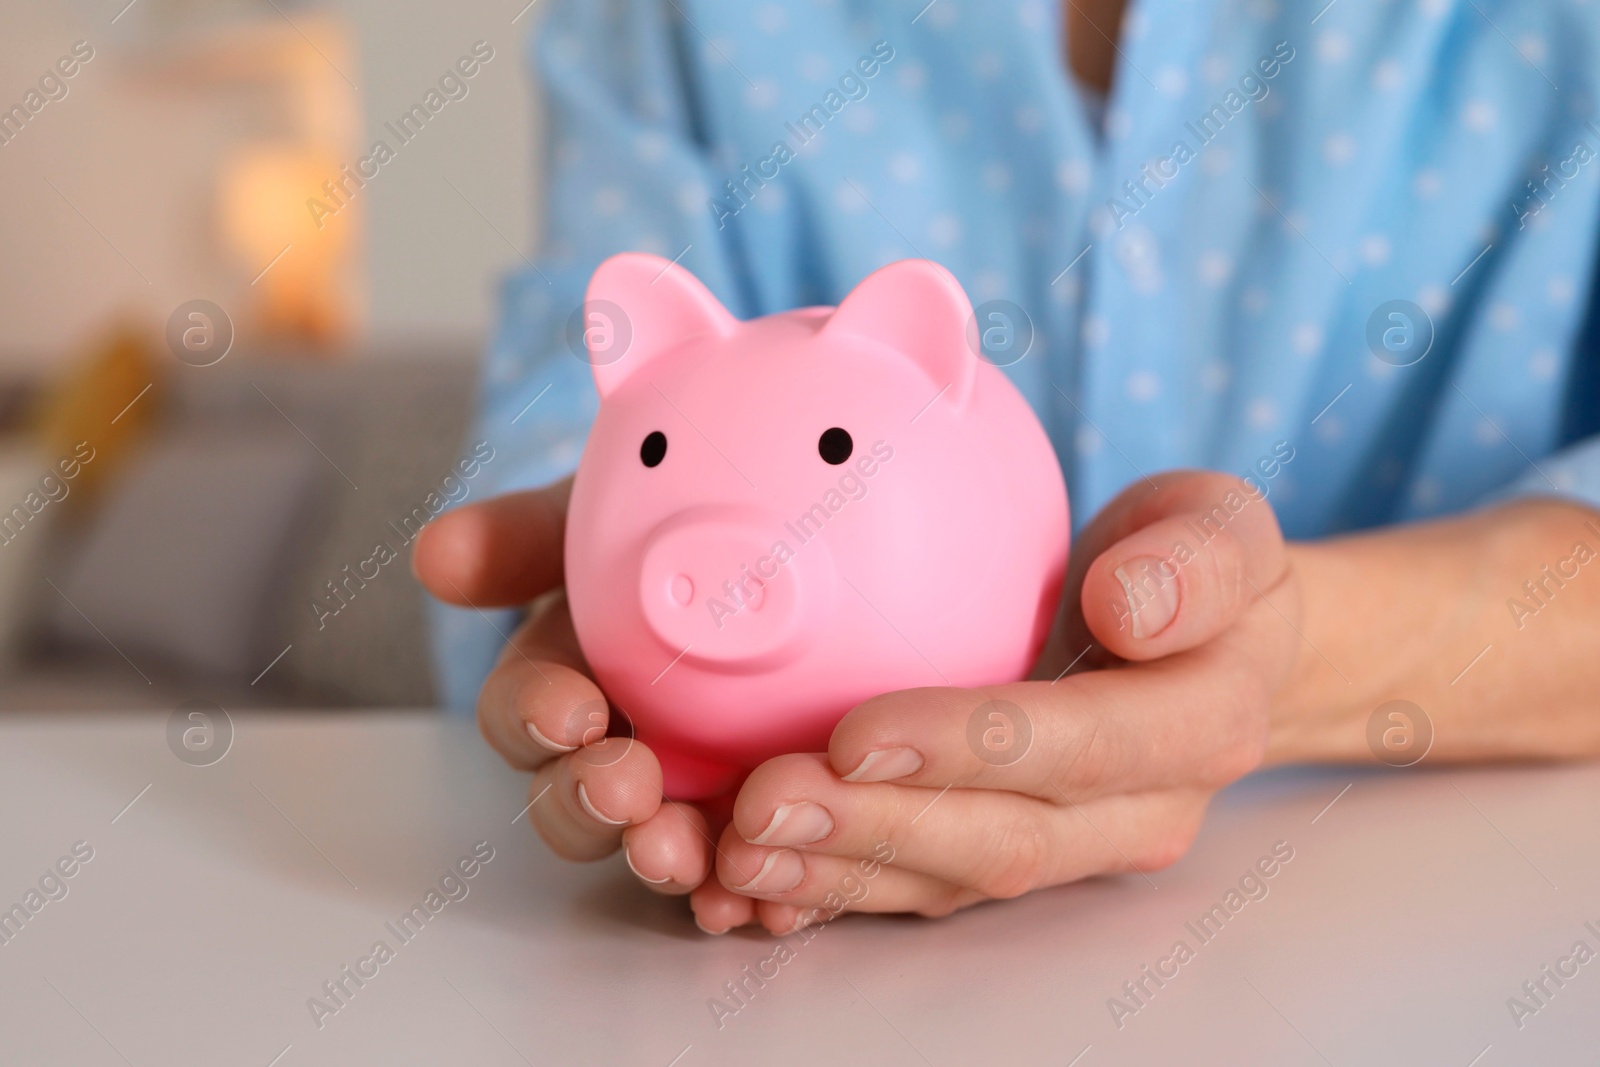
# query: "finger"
1195,719
1211,549
584,801
1149,500
547,633
779,919
999,844
821,887
1070,642
531,713
537,703
718,909
670,851
500,553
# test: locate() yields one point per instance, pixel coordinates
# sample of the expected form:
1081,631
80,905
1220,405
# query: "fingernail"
800,823
1152,598
541,739
588,806
640,874
886,764
780,872
707,930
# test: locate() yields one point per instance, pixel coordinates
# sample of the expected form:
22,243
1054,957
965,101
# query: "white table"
226,895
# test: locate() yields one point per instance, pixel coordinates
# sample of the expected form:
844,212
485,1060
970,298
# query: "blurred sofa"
252,548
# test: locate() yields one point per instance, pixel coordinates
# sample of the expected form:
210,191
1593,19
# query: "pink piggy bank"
774,520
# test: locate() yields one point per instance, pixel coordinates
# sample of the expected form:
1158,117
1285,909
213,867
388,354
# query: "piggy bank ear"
919,309
639,306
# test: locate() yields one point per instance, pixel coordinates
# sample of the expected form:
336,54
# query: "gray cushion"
190,545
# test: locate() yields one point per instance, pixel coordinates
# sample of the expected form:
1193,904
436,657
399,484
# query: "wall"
106,202
434,260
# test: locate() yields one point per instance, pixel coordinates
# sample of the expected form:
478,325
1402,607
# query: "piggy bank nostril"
683,590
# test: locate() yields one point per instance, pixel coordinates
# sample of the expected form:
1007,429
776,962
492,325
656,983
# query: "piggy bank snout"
728,587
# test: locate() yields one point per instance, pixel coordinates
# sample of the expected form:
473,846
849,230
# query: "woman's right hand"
540,709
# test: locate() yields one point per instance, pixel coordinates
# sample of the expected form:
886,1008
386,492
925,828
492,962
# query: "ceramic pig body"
774,520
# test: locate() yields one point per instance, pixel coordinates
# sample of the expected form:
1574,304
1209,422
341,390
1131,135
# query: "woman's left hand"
1179,624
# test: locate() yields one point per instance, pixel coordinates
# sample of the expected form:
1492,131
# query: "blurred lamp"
297,268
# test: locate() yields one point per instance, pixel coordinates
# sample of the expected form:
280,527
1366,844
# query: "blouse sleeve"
625,167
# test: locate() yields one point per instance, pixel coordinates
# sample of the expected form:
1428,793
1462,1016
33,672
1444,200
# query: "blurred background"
238,342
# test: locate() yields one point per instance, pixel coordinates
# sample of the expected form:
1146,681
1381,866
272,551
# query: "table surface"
219,899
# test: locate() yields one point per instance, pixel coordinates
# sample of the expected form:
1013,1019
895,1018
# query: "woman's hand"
540,709
1191,644
1183,595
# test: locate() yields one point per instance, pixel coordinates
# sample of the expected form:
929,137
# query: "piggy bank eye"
835,445
654,448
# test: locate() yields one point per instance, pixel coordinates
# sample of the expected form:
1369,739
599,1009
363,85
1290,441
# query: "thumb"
1211,546
501,552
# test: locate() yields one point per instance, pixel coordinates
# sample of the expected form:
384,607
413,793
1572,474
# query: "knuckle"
1243,743
1232,762
1088,764
1162,852
1183,489
1165,847
889,823
1017,861
940,904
